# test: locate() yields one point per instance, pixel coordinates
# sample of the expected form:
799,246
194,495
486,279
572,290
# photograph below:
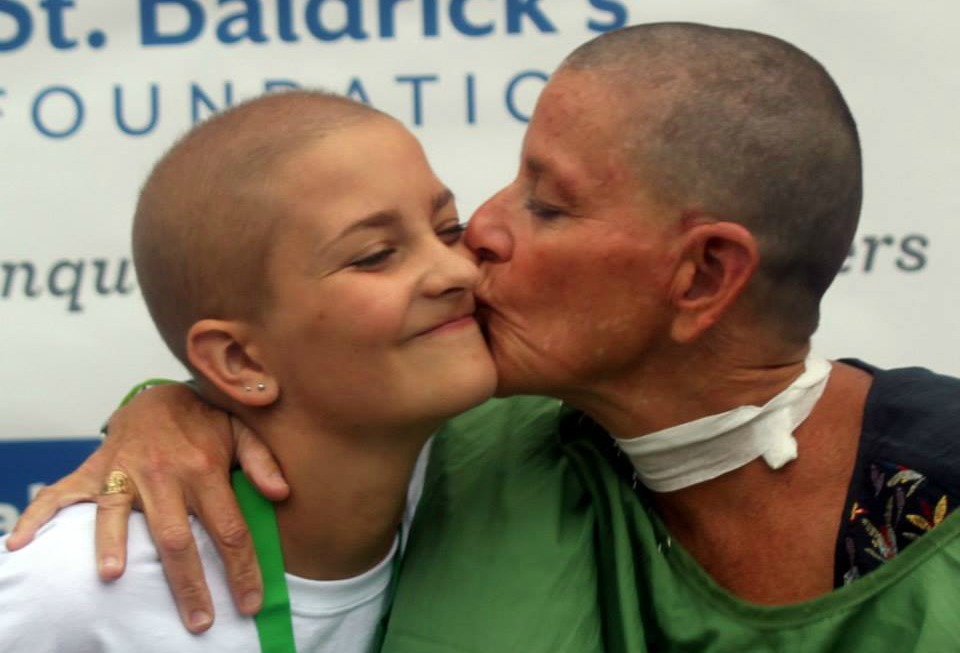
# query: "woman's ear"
717,260
223,351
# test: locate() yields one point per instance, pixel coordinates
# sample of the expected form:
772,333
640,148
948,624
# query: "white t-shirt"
51,600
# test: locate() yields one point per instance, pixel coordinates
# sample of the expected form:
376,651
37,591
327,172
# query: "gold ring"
117,483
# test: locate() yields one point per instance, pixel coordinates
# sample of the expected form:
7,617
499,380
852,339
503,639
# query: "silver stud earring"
261,387
247,388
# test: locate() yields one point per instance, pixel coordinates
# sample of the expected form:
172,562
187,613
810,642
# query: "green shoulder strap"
274,621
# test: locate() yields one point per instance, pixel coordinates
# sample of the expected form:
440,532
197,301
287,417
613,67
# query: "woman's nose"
488,234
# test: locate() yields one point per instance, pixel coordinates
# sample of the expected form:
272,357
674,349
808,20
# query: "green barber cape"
527,539
503,539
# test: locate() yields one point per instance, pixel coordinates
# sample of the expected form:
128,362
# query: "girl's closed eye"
452,234
375,260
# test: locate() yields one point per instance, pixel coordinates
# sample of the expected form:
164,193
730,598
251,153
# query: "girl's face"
370,320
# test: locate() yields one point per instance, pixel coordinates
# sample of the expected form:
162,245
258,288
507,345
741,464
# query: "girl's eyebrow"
390,217
441,199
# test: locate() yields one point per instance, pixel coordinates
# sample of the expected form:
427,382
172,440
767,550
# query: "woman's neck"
681,384
347,493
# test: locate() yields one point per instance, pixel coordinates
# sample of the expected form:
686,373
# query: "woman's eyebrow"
564,184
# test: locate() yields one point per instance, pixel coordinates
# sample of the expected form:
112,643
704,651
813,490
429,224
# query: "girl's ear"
225,354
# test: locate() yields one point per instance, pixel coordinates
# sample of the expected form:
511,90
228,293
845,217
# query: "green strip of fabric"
140,387
274,621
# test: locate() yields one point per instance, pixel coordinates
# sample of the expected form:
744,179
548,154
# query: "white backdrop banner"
93,91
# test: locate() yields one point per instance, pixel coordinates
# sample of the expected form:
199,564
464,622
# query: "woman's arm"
176,452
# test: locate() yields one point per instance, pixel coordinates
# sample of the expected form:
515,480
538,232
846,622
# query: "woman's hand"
174,453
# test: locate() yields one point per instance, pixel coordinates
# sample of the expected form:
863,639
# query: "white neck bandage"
711,446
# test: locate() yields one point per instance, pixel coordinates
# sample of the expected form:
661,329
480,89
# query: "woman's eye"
451,235
374,260
543,211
